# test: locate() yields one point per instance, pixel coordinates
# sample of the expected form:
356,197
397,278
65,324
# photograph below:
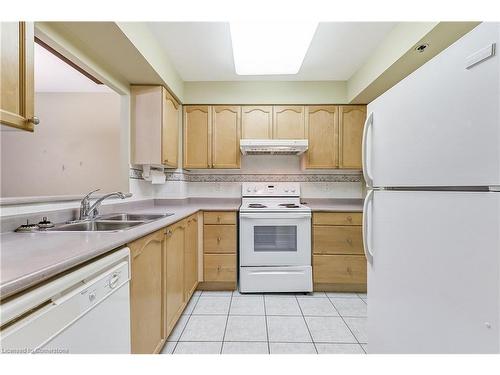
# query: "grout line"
227,320
305,322
189,318
347,325
267,329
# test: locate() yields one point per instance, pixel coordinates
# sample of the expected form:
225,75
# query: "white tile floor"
234,323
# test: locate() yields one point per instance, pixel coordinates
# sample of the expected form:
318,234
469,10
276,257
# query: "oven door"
275,239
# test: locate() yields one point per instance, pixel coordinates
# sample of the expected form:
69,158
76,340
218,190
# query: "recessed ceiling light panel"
262,48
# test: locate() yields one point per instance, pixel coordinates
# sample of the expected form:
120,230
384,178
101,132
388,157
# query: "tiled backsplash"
252,177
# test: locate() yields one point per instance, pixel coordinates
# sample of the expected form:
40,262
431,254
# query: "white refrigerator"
431,161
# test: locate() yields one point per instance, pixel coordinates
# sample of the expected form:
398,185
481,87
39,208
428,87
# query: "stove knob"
286,190
293,190
254,190
249,190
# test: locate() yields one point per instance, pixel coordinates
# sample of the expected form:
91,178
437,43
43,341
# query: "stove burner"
256,205
289,205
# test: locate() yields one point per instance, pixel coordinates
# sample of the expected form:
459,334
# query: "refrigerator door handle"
364,152
366,231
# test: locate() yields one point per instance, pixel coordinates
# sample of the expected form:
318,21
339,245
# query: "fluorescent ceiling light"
261,48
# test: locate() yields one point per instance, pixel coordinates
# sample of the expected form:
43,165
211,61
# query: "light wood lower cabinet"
147,293
339,273
191,257
219,238
220,268
339,263
219,250
174,274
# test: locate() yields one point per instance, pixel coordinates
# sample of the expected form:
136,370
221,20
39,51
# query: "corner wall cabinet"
17,94
155,126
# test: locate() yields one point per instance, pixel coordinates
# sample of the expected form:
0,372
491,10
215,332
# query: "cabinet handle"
218,219
349,218
169,232
218,269
218,239
34,120
349,241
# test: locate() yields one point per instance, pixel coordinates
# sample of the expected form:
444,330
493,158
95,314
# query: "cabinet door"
197,137
226,126
146,293
170,130
351,122
256,122
16,75
174,274
289,122
146,124
191,257
322,133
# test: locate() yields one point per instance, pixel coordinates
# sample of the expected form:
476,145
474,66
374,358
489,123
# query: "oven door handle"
275,215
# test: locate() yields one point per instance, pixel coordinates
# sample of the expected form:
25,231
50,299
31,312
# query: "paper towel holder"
147,169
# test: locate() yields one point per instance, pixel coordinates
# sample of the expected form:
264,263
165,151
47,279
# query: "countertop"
27,259
338,204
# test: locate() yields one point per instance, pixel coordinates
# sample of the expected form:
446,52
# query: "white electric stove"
275,239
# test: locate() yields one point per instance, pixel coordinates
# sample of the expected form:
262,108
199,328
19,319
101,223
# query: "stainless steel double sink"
108,223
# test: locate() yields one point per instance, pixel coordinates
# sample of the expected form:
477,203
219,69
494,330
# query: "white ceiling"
54,75
202,51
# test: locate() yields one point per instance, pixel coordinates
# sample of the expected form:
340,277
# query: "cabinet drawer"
219,217
339,269
219,238
220,267
342,239
338,218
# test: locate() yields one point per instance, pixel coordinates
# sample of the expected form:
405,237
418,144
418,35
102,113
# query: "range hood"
273,146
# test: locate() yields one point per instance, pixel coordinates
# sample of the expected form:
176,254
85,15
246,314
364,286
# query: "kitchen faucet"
88,212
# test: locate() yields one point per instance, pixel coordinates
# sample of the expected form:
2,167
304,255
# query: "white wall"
75,148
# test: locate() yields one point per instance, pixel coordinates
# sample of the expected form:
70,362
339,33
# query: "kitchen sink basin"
133,217
95,226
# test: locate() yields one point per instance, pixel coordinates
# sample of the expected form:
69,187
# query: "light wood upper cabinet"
191,256
170,130
351,122
197,137
155,126
175,296
322,130
289,122
17,75
146,293
256,122
226,129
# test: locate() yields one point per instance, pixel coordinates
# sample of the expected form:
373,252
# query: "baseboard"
216,285
334,287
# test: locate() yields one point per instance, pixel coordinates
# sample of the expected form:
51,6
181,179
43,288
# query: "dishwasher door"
91,316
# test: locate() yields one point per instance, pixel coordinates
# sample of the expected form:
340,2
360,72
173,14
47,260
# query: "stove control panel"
270,189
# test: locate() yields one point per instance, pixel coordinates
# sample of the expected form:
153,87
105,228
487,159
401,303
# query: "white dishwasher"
84,311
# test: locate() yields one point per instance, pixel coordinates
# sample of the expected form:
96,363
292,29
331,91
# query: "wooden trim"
334,287
67,61
213,285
